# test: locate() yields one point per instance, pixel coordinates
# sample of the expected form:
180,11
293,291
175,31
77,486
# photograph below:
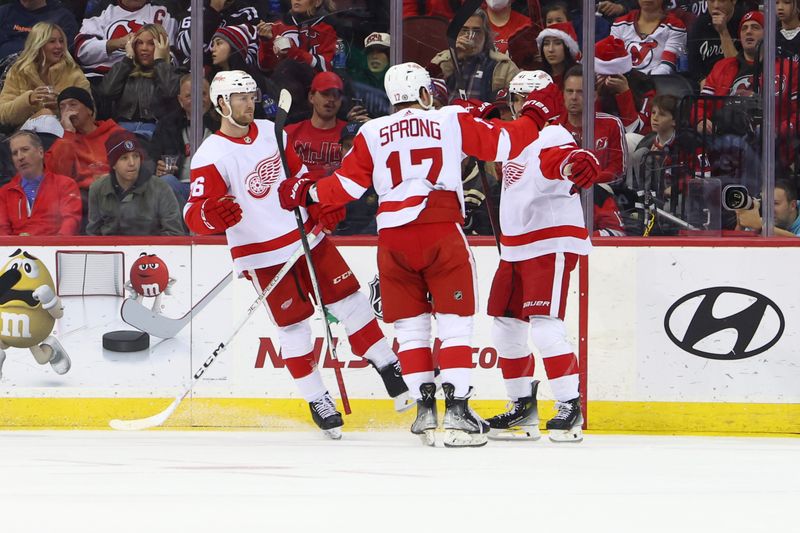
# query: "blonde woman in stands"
43,70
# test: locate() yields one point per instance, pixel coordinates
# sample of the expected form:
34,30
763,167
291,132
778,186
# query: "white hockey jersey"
114,22
656,53
413,152
540,216
249,169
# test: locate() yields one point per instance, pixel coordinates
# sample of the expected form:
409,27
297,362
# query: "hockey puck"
126,341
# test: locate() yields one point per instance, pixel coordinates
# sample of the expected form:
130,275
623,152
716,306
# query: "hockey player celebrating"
543,233
235,173
413,160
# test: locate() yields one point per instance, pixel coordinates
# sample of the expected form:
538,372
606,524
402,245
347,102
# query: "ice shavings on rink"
202,481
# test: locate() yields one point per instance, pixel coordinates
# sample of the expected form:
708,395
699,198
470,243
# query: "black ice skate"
426,421
325,415
392,377
520,422
566,425
462,426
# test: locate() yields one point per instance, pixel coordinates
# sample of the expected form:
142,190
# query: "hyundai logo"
725,323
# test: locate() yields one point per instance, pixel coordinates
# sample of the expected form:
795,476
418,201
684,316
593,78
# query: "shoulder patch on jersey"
259,181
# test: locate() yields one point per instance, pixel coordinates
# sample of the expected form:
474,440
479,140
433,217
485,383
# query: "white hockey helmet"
228,82
404,81
527,81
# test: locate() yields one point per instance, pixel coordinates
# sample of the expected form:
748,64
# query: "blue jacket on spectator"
16,22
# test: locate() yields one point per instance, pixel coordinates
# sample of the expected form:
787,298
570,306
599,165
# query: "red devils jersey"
318,149
516,22
656,53
609,144
312,43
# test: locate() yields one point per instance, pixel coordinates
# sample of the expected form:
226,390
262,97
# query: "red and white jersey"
658,52
610,146
413,152
538,213
249,169
112,23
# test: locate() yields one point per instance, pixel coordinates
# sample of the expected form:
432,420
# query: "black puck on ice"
126,341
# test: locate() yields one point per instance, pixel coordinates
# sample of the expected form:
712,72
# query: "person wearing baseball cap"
130,200
371,67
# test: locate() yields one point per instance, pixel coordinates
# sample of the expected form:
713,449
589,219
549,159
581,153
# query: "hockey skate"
392,377
520,422
425,424
462,426
59,361
325,415
566,425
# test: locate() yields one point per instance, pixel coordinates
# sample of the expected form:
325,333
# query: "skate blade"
333,433
456,438
569,435
403,403
427,437
530,433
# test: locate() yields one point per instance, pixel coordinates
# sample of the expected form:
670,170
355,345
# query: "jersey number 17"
418,156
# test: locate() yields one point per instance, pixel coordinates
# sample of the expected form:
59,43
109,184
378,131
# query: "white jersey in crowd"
540,216
407,155
249,169
112,23
656,53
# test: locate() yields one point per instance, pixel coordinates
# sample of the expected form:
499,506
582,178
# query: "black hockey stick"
284,104
466,10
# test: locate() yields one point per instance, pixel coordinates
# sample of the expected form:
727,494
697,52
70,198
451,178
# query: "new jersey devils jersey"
539,214
413,152
249,169
656,53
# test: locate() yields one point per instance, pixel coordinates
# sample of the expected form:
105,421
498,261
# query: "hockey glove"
582,168
478,109
219,214
294,192
327,215
543,105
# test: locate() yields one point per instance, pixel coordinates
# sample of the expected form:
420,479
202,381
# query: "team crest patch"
512,172
267,171
375,297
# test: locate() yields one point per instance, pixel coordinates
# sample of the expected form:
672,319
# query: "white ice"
203,481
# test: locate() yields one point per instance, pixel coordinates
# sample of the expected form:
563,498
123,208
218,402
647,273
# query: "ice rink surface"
203,481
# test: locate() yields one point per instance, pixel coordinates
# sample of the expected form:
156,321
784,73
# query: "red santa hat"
611,57
757,16
565,32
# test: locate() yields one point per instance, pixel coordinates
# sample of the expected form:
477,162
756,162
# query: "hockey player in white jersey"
235,173
543,233
413,160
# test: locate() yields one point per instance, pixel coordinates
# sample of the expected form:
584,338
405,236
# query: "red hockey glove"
543,105
219,214
327,215
293,192
478,109
582,168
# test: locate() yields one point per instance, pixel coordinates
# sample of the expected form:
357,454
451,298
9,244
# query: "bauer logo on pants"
725,323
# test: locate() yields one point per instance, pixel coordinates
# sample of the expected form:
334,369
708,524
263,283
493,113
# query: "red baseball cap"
325,81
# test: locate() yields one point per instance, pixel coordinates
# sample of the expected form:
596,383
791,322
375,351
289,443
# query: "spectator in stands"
429,8
787,40
102,40
44,69
18,17
81,153
555,13
484,71
305,35
622,91
171,139
218,14
559,11
504,22
654,37
130,200
559,47
787,220
37,201
712,36
660,139
371,68
142,86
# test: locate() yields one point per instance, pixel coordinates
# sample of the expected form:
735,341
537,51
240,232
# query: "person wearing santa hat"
559,47
654,37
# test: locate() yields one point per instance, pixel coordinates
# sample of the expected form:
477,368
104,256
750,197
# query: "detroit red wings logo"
267,171
642,53
512,172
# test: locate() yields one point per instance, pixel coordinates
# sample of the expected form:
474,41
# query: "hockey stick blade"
158,325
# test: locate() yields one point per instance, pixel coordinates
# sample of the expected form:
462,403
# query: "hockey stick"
160,418
147,320
284,104
453,29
